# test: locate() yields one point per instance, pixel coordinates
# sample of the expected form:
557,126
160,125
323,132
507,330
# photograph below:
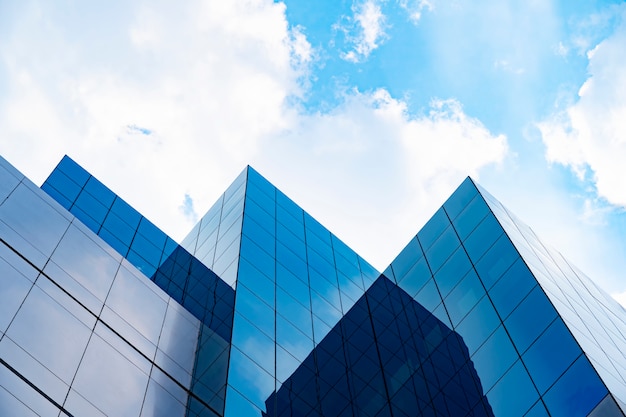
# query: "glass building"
261,311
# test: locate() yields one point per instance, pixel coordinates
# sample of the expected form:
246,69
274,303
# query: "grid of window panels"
475,317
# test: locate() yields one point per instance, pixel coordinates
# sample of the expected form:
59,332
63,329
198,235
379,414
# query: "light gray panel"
109,381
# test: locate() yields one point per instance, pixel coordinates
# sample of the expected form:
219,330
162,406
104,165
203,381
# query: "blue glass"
99,192
494,358
514,394
433,229
460,199
577,392
530,319
512,288
442,249
451,273
464,297
91,206
483,236
415,278
478,325
496,261
72,170
550,355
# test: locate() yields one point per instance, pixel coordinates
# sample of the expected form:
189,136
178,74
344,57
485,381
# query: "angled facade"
261,311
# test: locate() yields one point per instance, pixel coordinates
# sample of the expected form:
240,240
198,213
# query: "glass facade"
261,311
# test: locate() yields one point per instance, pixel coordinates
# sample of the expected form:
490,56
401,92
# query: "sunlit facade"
261,311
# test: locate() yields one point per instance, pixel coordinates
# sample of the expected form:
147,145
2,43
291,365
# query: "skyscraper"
262,311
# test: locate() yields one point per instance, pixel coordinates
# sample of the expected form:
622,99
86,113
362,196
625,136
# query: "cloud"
415,8
364,31
372,173
173,97
176,100
589,135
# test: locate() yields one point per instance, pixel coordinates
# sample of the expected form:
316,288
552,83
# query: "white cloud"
177,99
589,136
206,79
364,31
372,173
415,8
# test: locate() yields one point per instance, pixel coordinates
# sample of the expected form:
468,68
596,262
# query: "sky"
367,113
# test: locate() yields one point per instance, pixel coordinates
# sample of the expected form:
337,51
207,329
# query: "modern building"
261,311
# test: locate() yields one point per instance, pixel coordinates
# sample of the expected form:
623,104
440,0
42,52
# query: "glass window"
415,278
478,325
36,223
530,319
108,380
247,377
18,399
45,329
494,358
143,307
460,198
257,345
433,228
126,212
119,228
470,217
452,271
92,207
73,170
514,285
442,248
483,236
550,355
77,254
177,342
151,233
514,394
577,392
464,297
100,192
252,308
13,289
497,260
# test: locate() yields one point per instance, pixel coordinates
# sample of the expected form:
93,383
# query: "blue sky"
367,112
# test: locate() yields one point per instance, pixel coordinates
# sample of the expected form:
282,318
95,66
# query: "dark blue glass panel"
494,358
481,239
88,204
478,324
406,259
577,392
118,228
530,319
147,250
497,260
514,394
64,185
433,228
452,271
460,198
470,217
415,278
152,233
293,285
99,192
442,249
126,212
464,297
114,242
514,285
57,196
550,355
73,170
